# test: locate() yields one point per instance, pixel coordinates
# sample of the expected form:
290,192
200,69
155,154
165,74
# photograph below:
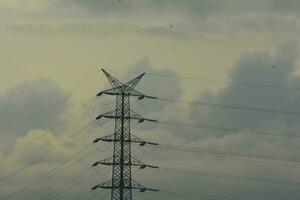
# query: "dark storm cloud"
34,105
260,68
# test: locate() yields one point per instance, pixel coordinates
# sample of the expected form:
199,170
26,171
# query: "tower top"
128,88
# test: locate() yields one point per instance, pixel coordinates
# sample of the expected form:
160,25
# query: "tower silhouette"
122,184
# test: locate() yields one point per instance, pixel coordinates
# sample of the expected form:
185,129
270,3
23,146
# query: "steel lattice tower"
122,184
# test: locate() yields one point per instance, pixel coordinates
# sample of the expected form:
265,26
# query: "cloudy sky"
236,60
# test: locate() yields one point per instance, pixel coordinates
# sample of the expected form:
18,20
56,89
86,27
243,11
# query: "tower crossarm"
118,91
134,162
140,95
134,139
112,91
134,186
141,142
105,185
127,89
133,115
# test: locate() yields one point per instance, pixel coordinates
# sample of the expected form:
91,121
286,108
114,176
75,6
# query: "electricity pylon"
121,185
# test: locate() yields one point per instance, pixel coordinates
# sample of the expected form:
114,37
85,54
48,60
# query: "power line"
82,180
42,158
39,138
66,183
240,83
234,107
50,173
54,171
228,153
234,157
59,123
232,177
226,129
67,186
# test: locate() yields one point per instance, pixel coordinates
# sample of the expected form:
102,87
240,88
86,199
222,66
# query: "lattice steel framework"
122,184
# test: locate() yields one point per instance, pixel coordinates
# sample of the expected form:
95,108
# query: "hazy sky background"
51,54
